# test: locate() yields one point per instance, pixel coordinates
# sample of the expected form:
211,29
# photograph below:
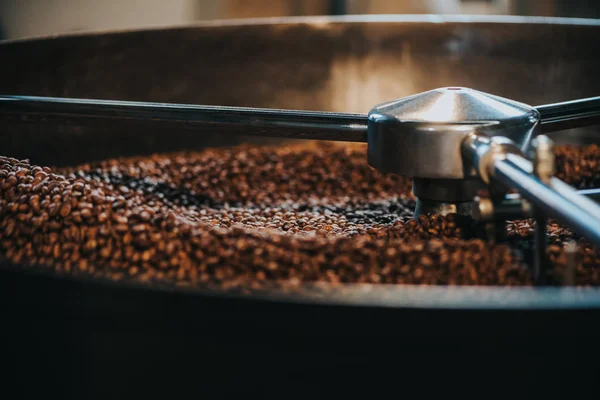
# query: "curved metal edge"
391,296
465,297
377,295
327,20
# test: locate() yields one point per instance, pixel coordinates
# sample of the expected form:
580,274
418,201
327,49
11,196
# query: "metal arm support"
513,206
569,114
557,199
293,124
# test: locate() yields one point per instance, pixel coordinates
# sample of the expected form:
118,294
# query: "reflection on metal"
199,120
360,61
421,135
570,114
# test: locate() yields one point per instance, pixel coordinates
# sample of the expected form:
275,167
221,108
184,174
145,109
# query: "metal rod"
293,124
540,241
592,194
543,165
509,208
556,201
514,207
584,199
569,114
571,263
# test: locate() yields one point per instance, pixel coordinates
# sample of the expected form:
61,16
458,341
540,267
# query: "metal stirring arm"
497,158
556,199
410,136
569,114
294,124
201,119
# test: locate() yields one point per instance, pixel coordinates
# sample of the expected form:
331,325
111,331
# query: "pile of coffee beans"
580,166
247,217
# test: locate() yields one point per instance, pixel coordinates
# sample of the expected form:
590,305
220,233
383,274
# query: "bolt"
543,158
511,207
483,209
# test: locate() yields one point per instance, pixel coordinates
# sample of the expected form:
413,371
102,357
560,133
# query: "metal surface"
593,194
510,208
501,159
571,262
360,61
557,200
362,295
443,106
569,114
421,135
85,338
513,206
543,168
449,190
540,261
483,209
79,339
203,120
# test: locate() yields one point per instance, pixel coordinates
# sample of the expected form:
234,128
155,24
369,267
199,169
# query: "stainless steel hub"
421,136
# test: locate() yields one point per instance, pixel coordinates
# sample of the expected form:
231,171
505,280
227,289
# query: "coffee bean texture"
246,217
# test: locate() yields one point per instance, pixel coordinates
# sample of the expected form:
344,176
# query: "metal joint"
484,151
512,206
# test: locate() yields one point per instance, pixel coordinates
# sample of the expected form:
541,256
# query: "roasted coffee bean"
579,166
248,217
65,210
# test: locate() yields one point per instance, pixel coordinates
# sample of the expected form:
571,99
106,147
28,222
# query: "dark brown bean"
65,210
251,217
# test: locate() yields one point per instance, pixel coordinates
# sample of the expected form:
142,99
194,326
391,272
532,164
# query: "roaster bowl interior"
358,63
348,64
80,338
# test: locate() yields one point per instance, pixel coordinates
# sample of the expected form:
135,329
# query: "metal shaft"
293,124
557,200
569,114
540,261
593,194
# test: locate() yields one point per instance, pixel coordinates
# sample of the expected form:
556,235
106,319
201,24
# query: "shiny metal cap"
421,135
